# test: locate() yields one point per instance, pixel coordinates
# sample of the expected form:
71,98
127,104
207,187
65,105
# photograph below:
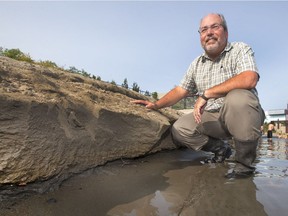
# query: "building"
280,118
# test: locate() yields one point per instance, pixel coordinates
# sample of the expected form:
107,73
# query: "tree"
125,84
155,95
96,77
147,93
135,87
113,82
73,69
84,73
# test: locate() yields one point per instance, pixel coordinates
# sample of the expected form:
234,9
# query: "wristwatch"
203,96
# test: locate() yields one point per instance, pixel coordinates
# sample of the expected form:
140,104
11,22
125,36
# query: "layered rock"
54,123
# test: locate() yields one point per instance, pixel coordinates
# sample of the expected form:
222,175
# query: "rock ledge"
54,123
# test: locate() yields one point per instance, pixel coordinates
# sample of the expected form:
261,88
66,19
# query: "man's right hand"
147,104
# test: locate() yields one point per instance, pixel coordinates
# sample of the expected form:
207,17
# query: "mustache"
211,38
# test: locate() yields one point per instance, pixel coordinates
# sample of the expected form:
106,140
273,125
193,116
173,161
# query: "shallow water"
168,183
272,179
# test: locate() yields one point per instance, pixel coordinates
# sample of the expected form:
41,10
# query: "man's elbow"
252,85
181,91
252,80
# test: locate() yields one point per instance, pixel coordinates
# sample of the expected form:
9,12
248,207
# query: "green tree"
125,83
73,69
135,87
96,77
85,73
155,95
113,82
147,93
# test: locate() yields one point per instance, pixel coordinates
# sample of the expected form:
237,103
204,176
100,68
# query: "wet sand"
168,183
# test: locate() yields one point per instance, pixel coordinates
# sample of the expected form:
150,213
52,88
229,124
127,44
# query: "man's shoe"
223,153
220,149
220,154
240,171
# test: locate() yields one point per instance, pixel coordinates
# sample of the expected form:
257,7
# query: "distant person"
270,130
262,129
225,77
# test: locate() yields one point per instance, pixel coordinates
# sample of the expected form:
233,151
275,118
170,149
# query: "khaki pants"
240,117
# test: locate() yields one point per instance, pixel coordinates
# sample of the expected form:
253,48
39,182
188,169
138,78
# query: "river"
167,184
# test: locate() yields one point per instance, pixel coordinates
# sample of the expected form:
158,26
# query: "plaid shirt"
204,73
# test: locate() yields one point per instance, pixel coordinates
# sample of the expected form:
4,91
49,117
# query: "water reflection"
272,158
161,204
277,148
271,179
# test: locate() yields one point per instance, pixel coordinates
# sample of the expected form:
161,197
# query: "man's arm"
167,100
245,80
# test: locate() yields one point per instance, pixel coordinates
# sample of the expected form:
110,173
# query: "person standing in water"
270,131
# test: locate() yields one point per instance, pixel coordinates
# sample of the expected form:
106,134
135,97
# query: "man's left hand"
199,109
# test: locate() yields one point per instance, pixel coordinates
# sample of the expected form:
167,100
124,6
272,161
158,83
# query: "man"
225,77
270,131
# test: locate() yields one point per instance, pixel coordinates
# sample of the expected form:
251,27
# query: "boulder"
55,123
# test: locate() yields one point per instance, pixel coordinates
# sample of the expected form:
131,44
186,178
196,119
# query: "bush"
48,64
17,55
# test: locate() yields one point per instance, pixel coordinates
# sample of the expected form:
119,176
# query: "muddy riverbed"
167,184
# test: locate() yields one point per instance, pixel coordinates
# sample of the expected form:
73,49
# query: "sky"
151,43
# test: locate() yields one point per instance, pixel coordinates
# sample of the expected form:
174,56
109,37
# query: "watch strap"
203,96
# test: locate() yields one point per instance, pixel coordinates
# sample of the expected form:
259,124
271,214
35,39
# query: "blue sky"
151,43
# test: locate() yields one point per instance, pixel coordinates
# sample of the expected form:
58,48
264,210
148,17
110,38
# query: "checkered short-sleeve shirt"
203,73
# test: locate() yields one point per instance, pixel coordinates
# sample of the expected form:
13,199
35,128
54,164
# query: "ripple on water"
271,178
272,158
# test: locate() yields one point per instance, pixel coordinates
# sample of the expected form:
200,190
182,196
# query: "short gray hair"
223,20
224,23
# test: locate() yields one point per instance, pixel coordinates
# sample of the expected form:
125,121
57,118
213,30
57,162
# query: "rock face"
54,123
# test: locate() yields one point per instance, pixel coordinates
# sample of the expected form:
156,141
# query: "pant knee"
184,137
238,99
176,134
242,115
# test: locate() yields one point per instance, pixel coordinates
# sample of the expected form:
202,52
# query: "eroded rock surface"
54,123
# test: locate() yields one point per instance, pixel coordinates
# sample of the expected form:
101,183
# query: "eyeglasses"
213,27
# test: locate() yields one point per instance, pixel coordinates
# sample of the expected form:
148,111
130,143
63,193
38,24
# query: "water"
272,180
167,184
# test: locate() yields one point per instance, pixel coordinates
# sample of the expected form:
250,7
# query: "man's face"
212,35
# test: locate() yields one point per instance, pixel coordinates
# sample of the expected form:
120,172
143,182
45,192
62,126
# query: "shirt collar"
226,49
